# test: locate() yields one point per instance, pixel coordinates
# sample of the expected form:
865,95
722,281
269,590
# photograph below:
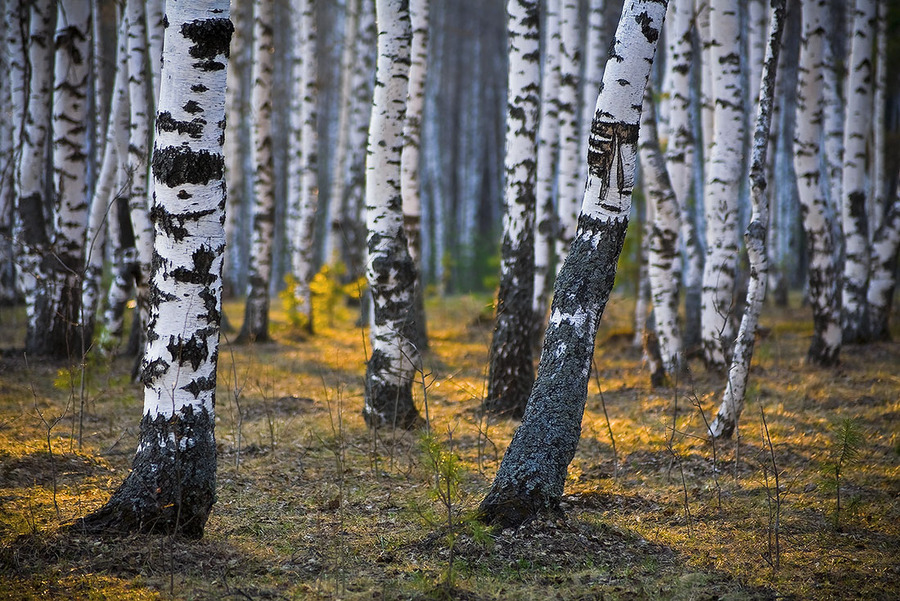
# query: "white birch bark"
568,186
595,50
877,168
756,48
256,312
235,153
139,88
61,337
341,149
171,488
547,155
410,159
351,228
533,471
103,195
723,178
882,272
833,147
303,166
155,29
755,237
511,372
857,124
390,271
663,261
823,273
680,159
33,222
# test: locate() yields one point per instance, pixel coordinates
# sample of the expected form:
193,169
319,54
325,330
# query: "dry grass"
313,505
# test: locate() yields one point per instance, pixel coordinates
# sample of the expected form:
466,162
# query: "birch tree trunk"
547,155
664,267
511,373
34,222
61,335
882,272
155,28
533,472
256,312
390,271
680,161
104,196
833,148
854,218
410,162
594,59
235,155
139,90
723,177
352,217
879,108
755,238
304,155
568,188
823,293
341,150
171,487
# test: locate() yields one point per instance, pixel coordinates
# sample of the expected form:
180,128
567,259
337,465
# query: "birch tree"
568,187
663,261
755,238
882,272
34,222
547,154
594,58
826,342
410,181
533,471
303,167
256,312
680,159
390,271
854,218
723,176
511,373
171,487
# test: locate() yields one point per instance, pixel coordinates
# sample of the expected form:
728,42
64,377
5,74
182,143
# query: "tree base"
510,509
172,484
391,407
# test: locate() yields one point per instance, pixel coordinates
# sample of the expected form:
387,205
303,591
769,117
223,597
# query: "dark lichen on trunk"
172,485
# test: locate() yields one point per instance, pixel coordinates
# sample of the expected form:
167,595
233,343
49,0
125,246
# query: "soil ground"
313,505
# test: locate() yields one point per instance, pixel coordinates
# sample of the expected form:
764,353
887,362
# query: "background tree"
511,370
390,270
171,487
256,312
533,471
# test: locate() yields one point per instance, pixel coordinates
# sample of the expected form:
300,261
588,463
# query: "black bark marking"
193,128
211,37
175,166
193,350
200,274
192,107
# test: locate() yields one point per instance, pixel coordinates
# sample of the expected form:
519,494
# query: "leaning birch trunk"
723,182
568,188
341,147
664,267
391,369
62,336
823,273
304,156
755,237
410,180
172,485
139,87
857,122
547,154
33,222
256,312
533,472
680,161
595,49
511,373
104,195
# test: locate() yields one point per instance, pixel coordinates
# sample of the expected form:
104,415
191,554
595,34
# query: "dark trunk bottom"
508,508
390,406
172,484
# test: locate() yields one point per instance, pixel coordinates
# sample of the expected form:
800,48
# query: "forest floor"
312,505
